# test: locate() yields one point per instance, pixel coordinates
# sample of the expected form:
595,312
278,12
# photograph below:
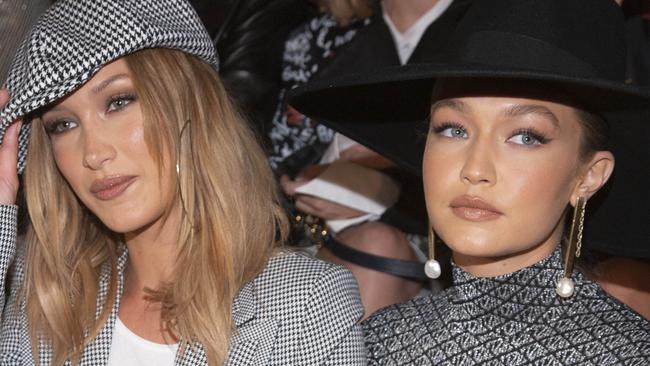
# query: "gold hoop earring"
178,149
178,165
565,286
432,266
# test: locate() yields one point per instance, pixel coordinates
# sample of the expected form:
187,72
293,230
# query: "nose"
479,165
97,149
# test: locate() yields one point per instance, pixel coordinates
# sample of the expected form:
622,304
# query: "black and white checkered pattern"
298,311
8,213
75,38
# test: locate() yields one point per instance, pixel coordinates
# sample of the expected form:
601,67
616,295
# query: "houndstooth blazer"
298,311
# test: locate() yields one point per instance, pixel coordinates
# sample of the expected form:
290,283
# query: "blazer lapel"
255,335
253,343
253,340
97,352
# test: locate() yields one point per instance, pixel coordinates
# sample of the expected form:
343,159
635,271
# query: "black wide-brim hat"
576,47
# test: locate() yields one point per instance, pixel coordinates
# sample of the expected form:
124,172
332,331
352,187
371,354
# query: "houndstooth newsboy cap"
73,39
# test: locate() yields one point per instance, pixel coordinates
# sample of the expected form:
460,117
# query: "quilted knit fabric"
515,319
75,38
298,311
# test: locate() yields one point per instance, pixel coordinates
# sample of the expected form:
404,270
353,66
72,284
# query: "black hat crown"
544,36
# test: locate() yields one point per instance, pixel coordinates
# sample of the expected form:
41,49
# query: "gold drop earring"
432,266
565,286
179,168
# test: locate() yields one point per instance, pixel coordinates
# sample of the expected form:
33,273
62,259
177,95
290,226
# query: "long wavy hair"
231,217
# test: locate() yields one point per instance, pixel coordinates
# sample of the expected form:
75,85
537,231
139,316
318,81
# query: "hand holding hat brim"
8,159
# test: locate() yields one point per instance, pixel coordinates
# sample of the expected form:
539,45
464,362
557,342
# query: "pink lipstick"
109,188
474,209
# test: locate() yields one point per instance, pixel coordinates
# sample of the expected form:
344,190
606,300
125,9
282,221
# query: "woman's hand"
8,159
325,209
363,156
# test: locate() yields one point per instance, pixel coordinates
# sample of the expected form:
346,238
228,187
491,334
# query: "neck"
151,254
404,13
508,263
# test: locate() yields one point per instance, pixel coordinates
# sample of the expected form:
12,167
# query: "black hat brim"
393,104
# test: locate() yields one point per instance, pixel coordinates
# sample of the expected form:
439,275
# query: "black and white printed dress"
298,311
308,49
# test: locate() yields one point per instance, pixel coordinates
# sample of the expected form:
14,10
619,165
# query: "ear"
595,173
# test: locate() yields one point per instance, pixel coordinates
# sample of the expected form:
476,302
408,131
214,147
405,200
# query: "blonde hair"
345,11
231,217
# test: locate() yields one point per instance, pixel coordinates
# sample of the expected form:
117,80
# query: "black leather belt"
411,270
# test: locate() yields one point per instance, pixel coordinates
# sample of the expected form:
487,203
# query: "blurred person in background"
370,210
250,41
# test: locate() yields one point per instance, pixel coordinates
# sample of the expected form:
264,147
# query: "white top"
407,41
129,349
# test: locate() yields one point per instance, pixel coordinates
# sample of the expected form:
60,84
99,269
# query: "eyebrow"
97,89
518,110
104,84
454,104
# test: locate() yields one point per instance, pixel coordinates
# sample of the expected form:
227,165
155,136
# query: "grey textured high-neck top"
515,319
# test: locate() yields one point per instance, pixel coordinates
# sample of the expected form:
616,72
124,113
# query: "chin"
122,223
122,226
475,249
125,217
474,242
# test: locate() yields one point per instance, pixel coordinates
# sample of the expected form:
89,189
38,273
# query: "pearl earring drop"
432,267
565,286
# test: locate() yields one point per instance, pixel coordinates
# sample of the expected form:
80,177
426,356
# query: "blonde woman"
154,216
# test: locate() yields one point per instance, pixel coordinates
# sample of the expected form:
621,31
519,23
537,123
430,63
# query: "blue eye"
59,126
451,130
527,138
120,101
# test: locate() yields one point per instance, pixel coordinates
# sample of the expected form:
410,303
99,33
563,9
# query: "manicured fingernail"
17,126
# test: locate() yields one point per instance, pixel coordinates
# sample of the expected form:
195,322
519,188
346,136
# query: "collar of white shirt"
407,41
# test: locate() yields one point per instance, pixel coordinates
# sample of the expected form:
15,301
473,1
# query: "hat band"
514,51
